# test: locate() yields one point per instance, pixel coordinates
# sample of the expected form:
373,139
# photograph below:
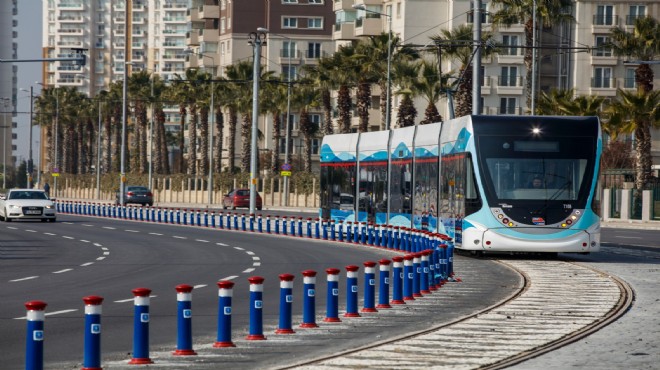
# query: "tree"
405,75
637,112
642,44
321,75
343,78
431,86
306,97
548,12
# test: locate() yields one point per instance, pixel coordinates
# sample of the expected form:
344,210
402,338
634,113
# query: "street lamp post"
30,165
389,61
98,157
288,114
211,132
4,139
256,40
122,170
151,137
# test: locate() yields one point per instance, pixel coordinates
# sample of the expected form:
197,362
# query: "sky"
29,47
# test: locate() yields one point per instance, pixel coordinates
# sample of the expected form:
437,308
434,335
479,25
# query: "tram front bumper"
512,240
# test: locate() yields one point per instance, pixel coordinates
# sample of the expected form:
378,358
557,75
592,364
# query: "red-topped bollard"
225,293
352,291
256,308
141,327
332,296
286,301
384,287
92,354
184,345
369,287
34,349
309,299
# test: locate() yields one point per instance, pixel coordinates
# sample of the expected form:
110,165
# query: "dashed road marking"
255,258
222,244
100,258
31,231
67,237
256,264
250,253
50,234
232,277
106,253
67,223
109,228
23,279
131,231
248,270
61,271
201,240
86,264
179,237
200,286
88,225
84,241
157,234
11,227
239,248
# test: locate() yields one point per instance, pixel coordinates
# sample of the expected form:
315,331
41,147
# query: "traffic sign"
286,167
55,174
285,173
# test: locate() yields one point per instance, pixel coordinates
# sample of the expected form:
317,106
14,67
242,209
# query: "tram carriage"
491,183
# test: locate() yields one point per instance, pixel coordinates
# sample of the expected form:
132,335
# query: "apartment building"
299,32
8,89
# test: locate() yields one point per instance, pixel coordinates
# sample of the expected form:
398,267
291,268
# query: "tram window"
339,193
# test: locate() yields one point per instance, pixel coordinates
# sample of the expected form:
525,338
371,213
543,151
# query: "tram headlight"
574,217
500,216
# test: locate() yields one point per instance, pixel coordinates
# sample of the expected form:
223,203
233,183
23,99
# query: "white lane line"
51,234
256,264
84,241
199,286
131,231
50,313
11,227
248,270
222,244
88,225
87,264
232,277
100,258
255,258
628,237
132,299
201,240
104,248
68,223
239,248
61,271
158,234
67,237
106,253
179,237
250,253
97,244
31,231
109,228
23,279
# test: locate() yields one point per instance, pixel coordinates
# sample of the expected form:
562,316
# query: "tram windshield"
557,170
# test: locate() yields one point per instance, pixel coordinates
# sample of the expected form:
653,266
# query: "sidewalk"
631,224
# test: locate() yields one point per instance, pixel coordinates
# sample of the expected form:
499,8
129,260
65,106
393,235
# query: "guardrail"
426,265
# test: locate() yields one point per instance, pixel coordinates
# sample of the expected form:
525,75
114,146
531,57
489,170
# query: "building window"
509,45
604,15
635,12
289,22
314,50
289,1
601,47
509,76
317,2
316,23
507,105
315,146
602,77
285,72
629,81
223,23
288,49
282,145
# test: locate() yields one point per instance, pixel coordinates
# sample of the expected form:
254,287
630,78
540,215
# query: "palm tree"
565,103
321,75
275,102
637,112
548,12
139,89
431,86
641,43
241,74
405,75
306,97
343,78
184,94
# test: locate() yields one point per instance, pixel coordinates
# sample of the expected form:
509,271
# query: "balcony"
71,5
69,67
71,81
369,26
603,23
486,87
69,44
344,31
192,38
70,19
138,20
603,86
180,57
209,12
175,6
209,35
342,5
511,55
511,85
630,19
174,19
71,31
193,15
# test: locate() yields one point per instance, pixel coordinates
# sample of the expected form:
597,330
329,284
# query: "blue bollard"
348,232
370,234
286,301
251,222
243,222
159,215
141,212
206,218
364,231
450,260
186,216
324,227
284,226
309,299
425,272
308,227
221,223
397,280
408,277
443,262
267,224
332,230
34,345
235,221
369,287
417,272
260,226
225,293
184,345
356,232
178,216
332,296
92,351
256,331
340,231
293,226
389,243
352,291
277,225
141,327
198,216
317,229
213,219
384,286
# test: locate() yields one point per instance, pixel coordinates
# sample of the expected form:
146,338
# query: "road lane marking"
109,228
132,299
84,241
97,244
200,286
104,248
31,231
106,253
50,313
131,231
179,237
61,271
23,279
248,270
255,258
158,234
51,234
201,240
222,244
87,264
232,277
239,248
250,253
628,237
68,223
88,225
256,264
100,258
11,227
67,237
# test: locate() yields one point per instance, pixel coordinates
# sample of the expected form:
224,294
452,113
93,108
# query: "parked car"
239,198
137,195
25,204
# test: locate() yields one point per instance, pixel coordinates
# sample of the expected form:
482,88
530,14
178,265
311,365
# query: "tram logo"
538,220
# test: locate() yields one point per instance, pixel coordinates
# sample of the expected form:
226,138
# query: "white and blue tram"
491,183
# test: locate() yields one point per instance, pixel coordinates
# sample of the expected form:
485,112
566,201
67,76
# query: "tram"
490,183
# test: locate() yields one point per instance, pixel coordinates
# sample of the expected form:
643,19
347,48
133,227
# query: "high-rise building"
8,77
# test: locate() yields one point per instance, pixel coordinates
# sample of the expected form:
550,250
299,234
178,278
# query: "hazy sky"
29,47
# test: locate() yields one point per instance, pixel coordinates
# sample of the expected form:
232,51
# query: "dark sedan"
137,195
239,198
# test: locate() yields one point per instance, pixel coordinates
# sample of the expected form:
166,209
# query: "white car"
27,204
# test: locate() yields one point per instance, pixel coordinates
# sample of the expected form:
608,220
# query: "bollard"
397,280
251,222
417,273
92,351
308,227
340,231
286,301
317,228
408,277
243,222
277,225
284,226
364,231
213,219
352,291
141,327
221,223
309,299
348,236
159,214
260,226
225,293
235,221
389,243
424,275
324,226
332,230
332,296
256,331
206,218
184,345
356,232
178,216
198,216
369,287
34,346
384,287
443,263
267,224
293,225
370,233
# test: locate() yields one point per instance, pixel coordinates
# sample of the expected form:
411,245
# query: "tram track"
557,303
